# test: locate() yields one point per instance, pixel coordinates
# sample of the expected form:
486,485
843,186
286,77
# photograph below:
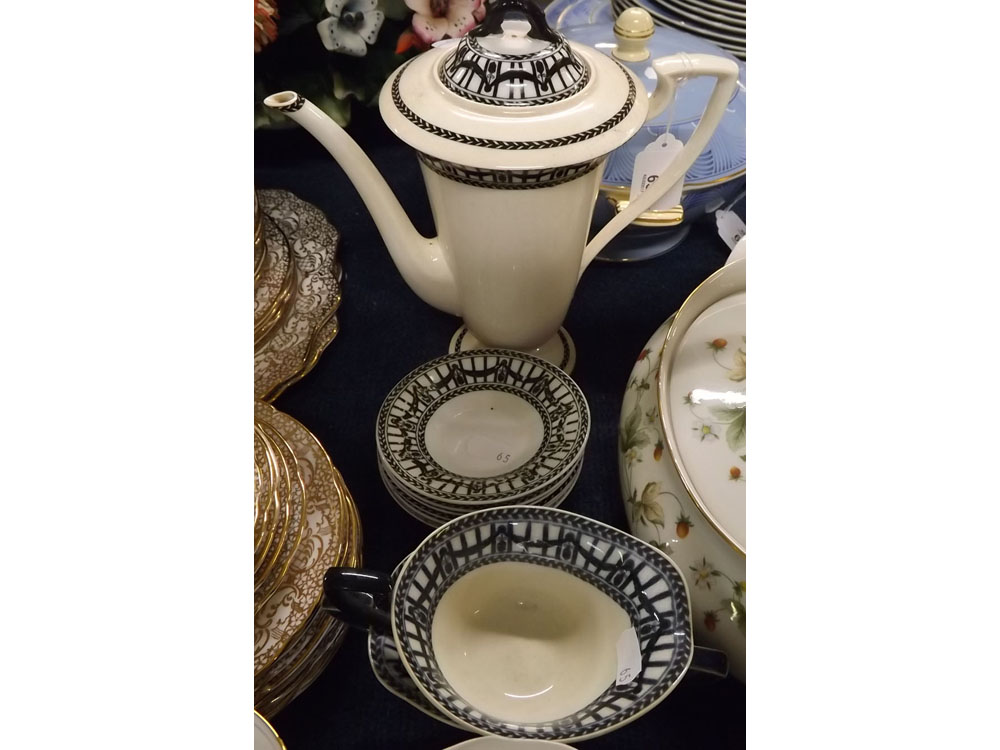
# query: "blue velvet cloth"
386,331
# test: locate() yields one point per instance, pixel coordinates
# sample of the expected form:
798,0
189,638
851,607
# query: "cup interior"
526,643
509,621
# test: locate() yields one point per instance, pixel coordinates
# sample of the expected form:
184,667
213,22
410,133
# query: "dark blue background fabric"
386,331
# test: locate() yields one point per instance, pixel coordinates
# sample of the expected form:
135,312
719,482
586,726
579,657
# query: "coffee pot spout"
419,260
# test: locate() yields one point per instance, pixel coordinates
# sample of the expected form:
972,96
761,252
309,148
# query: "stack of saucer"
481,429
305,521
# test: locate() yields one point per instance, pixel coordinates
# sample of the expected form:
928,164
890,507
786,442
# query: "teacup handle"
669,72
359,598
709,662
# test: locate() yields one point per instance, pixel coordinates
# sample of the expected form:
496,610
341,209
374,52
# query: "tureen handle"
669,72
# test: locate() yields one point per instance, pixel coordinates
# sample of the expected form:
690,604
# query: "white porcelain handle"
669,72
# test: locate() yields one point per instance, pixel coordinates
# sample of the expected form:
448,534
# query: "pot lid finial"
514,58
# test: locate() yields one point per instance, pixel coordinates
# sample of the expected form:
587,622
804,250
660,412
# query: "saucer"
392,675
559,350
488,425
264,735
435,516
307,323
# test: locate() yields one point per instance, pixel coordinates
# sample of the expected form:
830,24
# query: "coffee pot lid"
511,63
514,94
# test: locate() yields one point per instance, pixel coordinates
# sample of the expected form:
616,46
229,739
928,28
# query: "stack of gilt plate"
304,522
723,22
296,290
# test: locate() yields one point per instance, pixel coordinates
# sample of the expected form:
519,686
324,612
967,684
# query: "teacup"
531,622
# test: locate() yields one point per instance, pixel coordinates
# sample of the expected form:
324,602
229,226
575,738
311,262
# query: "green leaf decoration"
736,434
651,509
727,414
631,436
738,614
738,372
650,491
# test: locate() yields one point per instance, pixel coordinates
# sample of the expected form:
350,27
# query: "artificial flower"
351,27
265,30
434,20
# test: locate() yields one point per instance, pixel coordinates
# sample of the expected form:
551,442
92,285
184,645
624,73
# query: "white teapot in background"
512,126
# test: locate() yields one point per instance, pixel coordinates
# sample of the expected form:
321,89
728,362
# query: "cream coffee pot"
512,125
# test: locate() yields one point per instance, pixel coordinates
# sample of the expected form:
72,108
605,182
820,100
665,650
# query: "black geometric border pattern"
566,140
293,106
565,418
510,179
390,672
639,579
550,496
472,72
456,345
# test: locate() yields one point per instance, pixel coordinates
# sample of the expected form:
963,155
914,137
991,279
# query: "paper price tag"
731,227
629,657
649,165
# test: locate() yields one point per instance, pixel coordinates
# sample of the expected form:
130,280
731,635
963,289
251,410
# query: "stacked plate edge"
294,638
481,429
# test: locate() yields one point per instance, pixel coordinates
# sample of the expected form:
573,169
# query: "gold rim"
318,341
283,303
276,678
280,673
673,333
618,195
662,218
271,729
260,508
287,355
282,505
276,703
322,485
279,305
280,250
268,521
292,542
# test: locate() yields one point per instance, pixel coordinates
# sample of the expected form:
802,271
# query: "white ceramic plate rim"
263,726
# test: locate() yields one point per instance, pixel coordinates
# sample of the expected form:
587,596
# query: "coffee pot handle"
670,71
359,598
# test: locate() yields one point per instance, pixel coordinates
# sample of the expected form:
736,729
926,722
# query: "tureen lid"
513,94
